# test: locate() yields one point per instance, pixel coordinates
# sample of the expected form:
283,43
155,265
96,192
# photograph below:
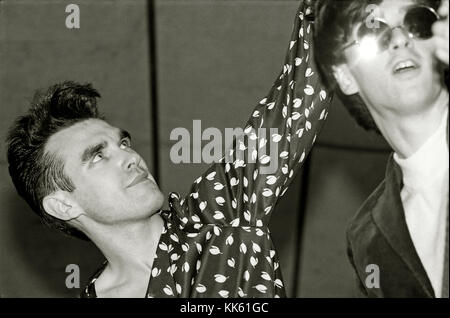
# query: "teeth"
403,65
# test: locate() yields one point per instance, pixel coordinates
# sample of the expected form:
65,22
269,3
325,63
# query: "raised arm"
243,188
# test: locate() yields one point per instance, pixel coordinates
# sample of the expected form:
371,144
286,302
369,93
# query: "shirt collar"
429,161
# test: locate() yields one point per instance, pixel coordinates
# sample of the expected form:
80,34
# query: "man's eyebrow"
124,134
90,151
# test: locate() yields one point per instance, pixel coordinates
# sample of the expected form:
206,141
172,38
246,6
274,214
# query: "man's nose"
130,161
400,39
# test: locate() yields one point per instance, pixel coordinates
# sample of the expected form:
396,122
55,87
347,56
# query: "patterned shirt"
215,241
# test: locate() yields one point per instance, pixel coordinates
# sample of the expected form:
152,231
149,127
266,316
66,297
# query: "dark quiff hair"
35,172
333,26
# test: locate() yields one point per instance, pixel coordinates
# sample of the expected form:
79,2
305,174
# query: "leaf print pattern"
216,242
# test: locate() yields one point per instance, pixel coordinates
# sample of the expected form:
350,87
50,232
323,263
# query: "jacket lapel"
390,219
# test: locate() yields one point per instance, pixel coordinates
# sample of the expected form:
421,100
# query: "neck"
406,134
129,246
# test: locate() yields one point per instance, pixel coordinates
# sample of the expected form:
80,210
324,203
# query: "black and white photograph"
226,149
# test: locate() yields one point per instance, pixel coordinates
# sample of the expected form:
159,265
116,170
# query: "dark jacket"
378,235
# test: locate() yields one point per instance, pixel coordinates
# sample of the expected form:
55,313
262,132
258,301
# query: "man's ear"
345,79
58,205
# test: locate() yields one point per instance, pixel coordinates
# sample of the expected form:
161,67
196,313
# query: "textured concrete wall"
215,60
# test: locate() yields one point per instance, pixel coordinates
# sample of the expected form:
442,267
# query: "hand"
440,33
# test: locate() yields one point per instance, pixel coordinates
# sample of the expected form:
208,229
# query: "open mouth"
404,67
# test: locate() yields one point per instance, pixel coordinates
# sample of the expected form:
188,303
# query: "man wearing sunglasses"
387,60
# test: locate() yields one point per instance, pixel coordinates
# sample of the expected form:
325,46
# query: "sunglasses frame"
390,29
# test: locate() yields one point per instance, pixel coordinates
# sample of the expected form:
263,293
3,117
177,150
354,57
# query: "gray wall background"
215,60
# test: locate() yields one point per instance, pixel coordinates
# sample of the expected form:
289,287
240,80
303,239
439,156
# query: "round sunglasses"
418,22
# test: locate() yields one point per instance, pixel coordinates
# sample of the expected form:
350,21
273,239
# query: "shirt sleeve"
243,188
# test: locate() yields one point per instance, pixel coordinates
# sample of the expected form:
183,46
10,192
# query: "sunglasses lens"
385,39
419,22
377,31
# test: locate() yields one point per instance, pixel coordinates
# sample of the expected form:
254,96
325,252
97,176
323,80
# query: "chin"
155,201
146,198
158,200
421,99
